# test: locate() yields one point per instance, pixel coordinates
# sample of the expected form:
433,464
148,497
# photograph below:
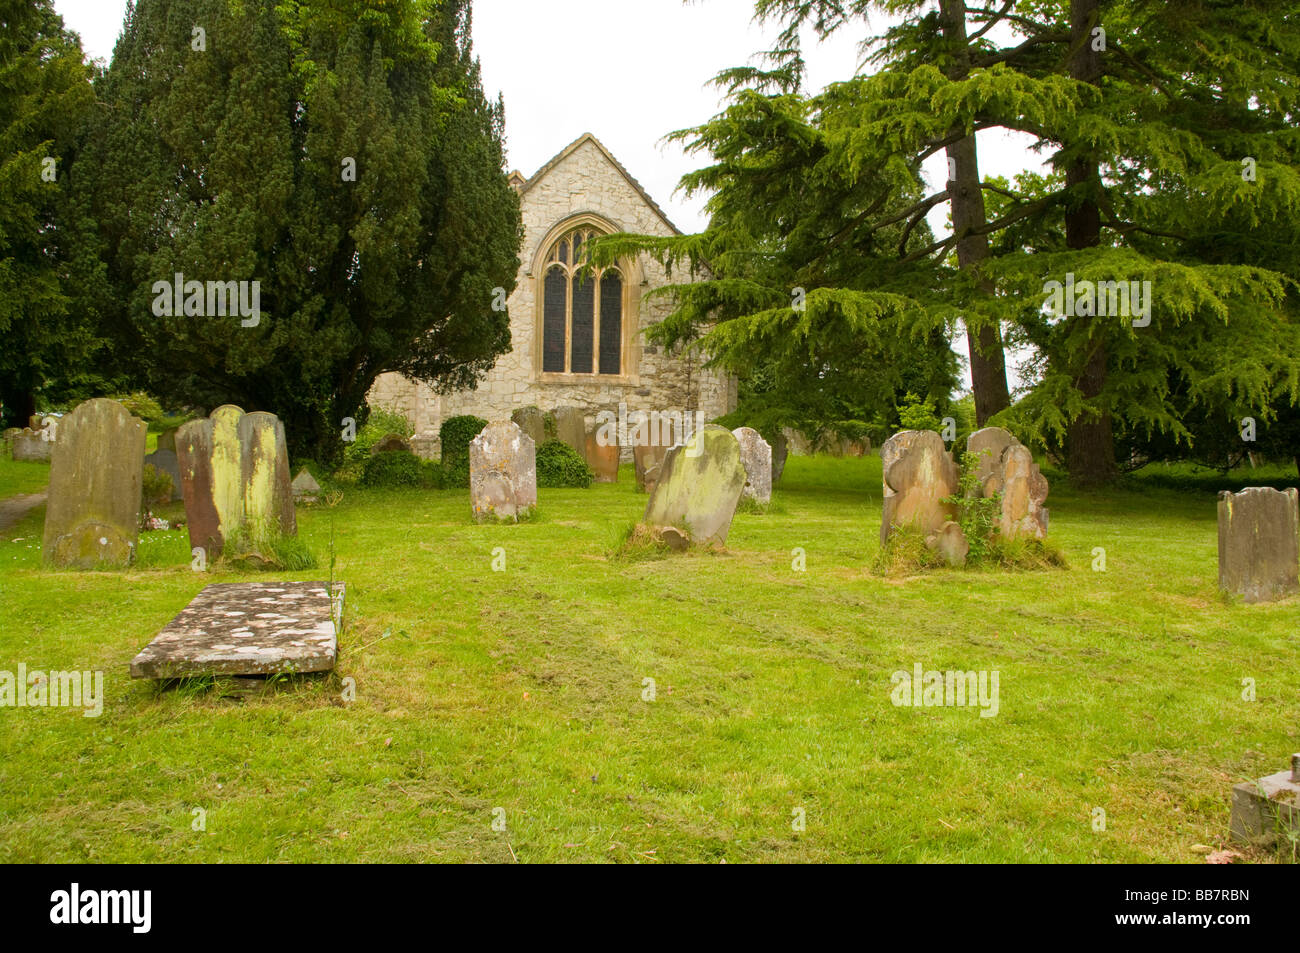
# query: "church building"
576,340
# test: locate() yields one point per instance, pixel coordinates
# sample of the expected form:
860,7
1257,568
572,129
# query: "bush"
157,486
559,465
378,425
141,405
456,434
396,468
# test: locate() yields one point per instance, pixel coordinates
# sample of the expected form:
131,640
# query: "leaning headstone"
756,456
1259,543
305,488
699,486
502,473
603,459
1267,811
531,421
571,428
34,446
780,450
235,480
919,474
391,443
1024,491
648,461
248,628
166,461
93,514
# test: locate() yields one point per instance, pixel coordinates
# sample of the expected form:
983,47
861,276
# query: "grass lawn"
522,690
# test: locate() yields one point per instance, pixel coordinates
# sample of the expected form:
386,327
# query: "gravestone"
756,456
166,461
304,486
648,461
950,543
603,460
699,486
1259,543
167,441
93,514
248,628
34,446
988,444
531,421
1267,811
780,450
235,480
391,443
8,438
571,428
502,473
918,473
1006,467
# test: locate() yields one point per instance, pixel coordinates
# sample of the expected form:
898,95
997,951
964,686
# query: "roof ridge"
631,179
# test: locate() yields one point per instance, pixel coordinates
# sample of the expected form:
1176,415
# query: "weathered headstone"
235,480
756,456
391,443
1259,543
250,628
571,428
8,438
305,488
950,543
780,450
93,514
167,441
502,473
603,460
1267,811
988,444
919,474
648,460
34,446
699,486
166,461
531,421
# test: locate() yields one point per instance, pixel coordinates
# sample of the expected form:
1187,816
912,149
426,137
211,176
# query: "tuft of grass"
635,542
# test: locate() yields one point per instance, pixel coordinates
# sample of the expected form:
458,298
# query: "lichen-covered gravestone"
919,474
571,428
531,421
1259,543
502,473
699,486
33,446
93,514
756,456
235,480
648,460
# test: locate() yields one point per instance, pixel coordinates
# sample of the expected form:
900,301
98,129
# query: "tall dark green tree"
44,94
339,152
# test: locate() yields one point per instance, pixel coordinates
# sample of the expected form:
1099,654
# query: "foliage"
142,405
241,154
559,465
918,414
456,435
394,468
157,486
977,514
45,95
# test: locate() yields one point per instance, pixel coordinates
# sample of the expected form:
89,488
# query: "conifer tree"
339,152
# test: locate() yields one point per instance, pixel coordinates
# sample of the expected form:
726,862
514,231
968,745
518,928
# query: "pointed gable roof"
577,144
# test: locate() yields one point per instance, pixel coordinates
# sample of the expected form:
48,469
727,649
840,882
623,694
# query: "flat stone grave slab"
248,628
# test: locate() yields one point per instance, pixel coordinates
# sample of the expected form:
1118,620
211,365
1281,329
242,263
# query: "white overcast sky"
629,71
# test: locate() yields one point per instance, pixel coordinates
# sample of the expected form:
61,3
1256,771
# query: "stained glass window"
582,311
611,322
555,308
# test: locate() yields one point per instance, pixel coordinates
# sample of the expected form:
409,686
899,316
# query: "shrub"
456,434
559,465
141,405
393,469
378,425
157,486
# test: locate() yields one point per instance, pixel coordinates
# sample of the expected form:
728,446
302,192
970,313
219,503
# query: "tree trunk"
988,369
1090,439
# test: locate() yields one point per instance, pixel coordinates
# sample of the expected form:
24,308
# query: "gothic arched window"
582,309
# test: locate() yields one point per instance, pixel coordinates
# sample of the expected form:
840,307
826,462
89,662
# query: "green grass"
523,689
22,477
